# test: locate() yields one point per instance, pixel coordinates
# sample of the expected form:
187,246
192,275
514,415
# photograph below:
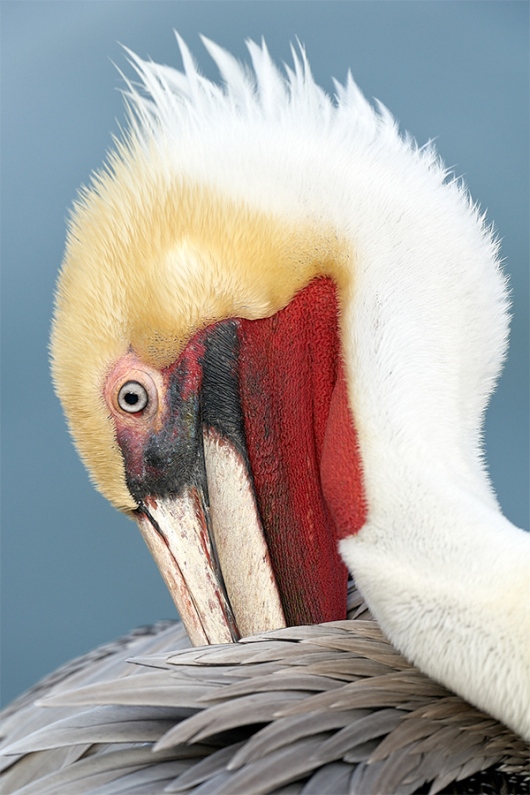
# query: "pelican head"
277,327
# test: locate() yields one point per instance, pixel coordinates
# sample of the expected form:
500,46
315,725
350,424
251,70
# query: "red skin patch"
303,450
340,466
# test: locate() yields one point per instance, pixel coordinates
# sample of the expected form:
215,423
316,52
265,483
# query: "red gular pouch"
302,449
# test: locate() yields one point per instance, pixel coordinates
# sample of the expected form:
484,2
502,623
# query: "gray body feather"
322,709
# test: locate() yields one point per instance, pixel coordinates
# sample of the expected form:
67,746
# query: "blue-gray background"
75,573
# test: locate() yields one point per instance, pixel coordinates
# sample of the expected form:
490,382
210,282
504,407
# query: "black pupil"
131,398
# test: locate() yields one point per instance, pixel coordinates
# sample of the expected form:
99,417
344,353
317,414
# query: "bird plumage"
323,709
231,202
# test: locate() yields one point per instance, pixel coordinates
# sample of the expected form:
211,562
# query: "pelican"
277,327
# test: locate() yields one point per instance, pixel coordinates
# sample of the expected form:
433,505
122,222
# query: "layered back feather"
331,708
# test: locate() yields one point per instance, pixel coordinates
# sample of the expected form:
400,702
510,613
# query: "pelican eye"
132,397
